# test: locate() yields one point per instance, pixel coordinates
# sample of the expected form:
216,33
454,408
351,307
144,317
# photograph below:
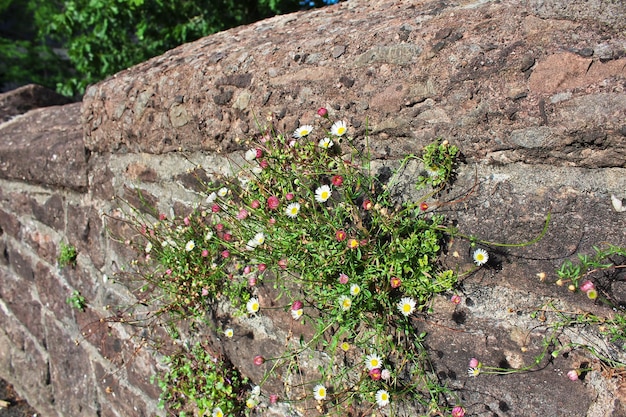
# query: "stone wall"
532,95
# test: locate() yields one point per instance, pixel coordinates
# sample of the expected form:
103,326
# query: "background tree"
72,43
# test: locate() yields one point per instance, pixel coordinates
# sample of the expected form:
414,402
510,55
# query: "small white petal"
618,204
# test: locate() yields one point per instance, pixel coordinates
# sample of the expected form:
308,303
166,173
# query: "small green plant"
77,301
67,255
573,273
439,161
203,378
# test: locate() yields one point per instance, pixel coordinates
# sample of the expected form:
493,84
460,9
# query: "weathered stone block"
53,293
71,374
21,263
20,301
28,97
84,230
10,224
51,213
49,139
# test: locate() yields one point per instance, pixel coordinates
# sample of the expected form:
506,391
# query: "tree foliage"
72,43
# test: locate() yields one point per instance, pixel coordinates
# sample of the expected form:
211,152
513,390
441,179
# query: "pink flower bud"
289,196
473,363
246,269
586,286
205,292
228,237
282,264
186,221
243,213
219,227
273,399
322,112
455,299
255,204
367,205
337,180
252,281
215,208
259,360
225,254
458,411
162,216
343,278
573,375
262,267
273,203
375,374
297,305
205,253
259,153
264,164
395,282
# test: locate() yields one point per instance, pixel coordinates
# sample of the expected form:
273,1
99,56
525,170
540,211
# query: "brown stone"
26,98
49,139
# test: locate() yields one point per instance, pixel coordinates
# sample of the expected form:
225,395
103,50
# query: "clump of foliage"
197,375
77,301
310,218
74,43
67,255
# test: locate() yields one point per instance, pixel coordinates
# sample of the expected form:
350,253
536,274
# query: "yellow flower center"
406,308
341,130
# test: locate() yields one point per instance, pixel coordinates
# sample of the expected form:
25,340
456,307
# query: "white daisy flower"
253,305
148,247
319,392
345,303
302,131
211,198
339,128
373,361
222,192
217,412
382,398
292,210
208,236
250,155
326,143
480,256
355,289
296,314
190,245
406,306
323,193
258,239
229,333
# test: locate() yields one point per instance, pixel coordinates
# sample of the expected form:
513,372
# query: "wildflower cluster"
307,215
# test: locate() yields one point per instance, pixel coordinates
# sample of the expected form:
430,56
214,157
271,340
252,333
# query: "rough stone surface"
532,93
28,97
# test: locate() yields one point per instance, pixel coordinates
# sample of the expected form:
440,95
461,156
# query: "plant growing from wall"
77,301
305,214
67,255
